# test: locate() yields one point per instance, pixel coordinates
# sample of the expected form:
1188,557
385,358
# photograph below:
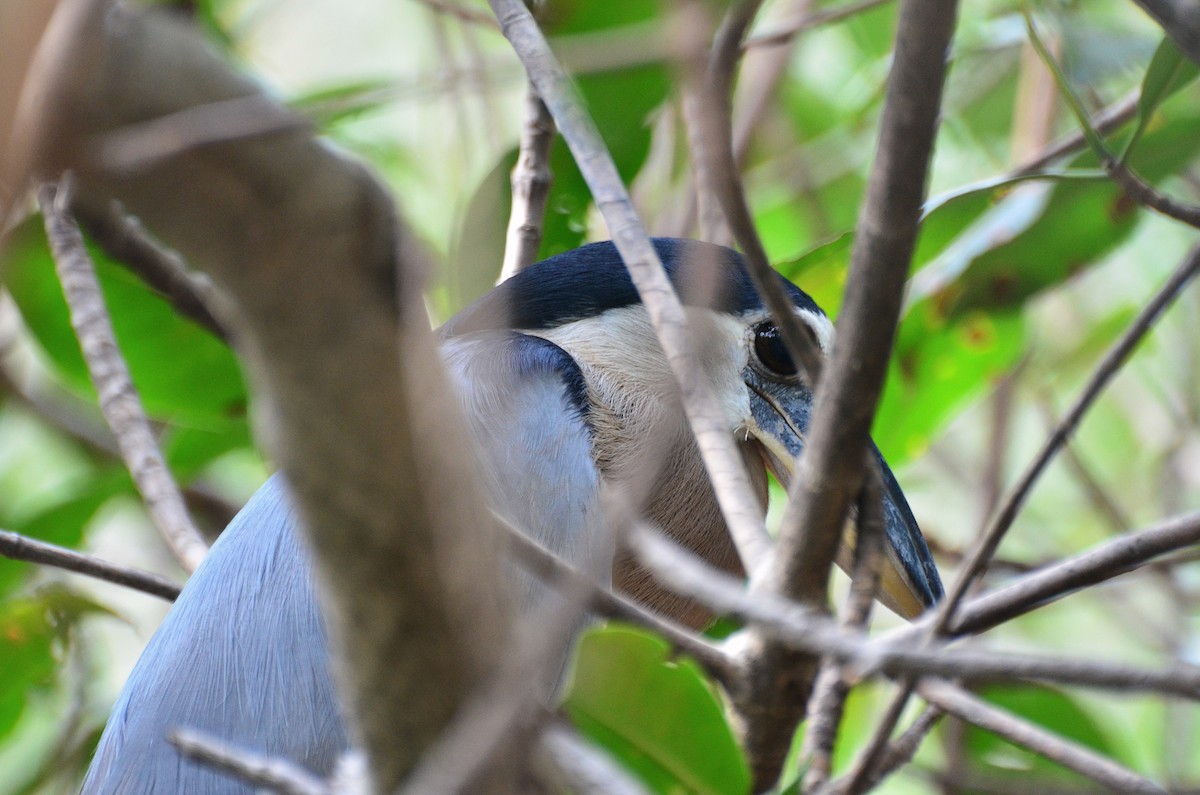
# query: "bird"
567,396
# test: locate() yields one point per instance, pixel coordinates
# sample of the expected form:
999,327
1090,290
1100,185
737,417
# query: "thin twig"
832,686
1039,588
815,633
19,547
531,181
724,462
116,393
282,776
1107,120
1084,761
123,238
1117,355
1134,186
717,170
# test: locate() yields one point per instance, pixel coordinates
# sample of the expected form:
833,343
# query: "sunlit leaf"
1169,71
182,372
654,713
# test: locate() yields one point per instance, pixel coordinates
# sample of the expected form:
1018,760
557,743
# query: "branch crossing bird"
566,393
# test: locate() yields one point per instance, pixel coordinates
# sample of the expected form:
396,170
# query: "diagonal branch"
353,403
1084,761
19,547
118,398
725,465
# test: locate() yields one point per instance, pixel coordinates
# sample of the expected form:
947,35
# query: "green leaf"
1078,223
29,629
822,271
1169,71
936,369
182,372
655,714
1051,709
937,365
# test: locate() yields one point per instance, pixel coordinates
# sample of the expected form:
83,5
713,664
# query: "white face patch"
621,346
822,328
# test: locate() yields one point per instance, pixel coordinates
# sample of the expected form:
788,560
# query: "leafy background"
1018,289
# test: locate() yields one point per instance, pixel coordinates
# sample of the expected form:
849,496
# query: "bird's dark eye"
770,350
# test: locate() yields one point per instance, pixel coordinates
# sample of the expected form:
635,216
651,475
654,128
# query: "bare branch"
803,629
325,287
19,547
832,686
115,391
1107,120
1084,761
725,465
531,181
711,138
277,775
1116,356
1041,587
124,239
830,472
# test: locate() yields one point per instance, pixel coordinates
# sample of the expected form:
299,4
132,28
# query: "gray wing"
525,401
243,656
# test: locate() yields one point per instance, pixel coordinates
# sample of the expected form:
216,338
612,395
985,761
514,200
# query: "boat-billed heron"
566,393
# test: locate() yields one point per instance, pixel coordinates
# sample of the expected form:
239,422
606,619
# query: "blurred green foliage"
1027,281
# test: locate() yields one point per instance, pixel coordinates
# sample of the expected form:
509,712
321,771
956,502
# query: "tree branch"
277,775
1082,760
726,468
531,181
117,396
352,399
19,547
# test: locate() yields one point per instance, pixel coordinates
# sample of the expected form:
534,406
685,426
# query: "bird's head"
584,300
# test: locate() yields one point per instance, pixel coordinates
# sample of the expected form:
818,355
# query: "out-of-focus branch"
725,465
830,473
323,281
117,396
816,19
19,547
1042,587
125,240
1116,356
275,775
974,710
531,181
